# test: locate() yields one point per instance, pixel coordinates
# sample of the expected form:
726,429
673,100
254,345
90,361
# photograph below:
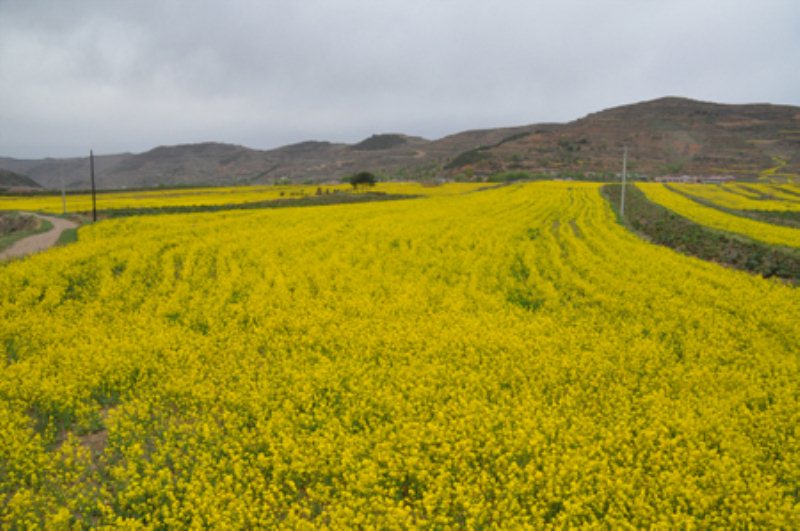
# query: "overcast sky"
131,75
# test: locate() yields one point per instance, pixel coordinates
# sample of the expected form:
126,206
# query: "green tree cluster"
362,179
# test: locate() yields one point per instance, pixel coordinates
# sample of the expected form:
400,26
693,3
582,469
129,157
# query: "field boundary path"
38,242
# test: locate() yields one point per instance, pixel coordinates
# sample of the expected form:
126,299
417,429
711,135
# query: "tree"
363,178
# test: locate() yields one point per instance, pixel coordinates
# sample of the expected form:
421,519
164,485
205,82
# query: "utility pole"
94,197
624,179
63,193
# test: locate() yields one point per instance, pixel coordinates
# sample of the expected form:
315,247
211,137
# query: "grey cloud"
129,75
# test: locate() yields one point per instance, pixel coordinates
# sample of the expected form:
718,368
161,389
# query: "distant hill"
389,141
664,136
49,172
212,163
11,180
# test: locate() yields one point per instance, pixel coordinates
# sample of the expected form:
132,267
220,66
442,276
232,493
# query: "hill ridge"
669,134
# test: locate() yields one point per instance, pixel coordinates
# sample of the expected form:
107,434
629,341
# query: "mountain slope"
10,179
226,164
74,171
667,135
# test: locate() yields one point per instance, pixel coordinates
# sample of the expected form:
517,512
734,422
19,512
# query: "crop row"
751,197
719,219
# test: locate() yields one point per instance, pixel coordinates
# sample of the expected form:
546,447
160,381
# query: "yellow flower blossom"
508,358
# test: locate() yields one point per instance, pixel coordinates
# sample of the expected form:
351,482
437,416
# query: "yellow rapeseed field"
82,202
782,192
740,198
506,358
717,219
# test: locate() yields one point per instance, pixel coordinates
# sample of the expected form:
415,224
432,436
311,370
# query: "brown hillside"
10,180
668,135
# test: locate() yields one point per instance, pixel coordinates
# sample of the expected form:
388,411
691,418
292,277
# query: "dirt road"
38,242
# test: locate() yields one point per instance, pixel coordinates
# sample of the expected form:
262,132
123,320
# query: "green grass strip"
67,237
